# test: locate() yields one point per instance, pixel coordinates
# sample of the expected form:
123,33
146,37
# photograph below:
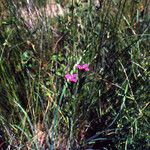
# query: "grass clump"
103,107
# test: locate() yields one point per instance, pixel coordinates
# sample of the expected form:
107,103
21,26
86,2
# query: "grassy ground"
107,108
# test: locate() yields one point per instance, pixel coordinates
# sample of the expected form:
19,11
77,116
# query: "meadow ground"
75,75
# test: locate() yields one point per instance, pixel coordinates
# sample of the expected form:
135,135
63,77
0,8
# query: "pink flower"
71,77
84,67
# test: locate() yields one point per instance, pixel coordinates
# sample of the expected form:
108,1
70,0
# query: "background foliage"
108,108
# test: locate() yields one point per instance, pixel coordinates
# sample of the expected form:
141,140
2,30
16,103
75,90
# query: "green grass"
108,108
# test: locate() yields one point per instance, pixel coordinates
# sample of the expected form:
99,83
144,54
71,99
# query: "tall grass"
108,108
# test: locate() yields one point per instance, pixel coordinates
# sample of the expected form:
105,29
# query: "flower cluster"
73,77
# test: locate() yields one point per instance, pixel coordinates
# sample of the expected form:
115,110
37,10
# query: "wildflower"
71,77
84,67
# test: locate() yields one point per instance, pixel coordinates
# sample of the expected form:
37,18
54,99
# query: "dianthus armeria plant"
80,77
73,77
71,91
84,67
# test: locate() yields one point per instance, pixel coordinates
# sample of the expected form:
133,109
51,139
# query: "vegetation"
107,108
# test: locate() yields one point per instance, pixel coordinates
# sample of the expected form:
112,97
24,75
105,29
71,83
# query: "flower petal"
84,67
67,76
